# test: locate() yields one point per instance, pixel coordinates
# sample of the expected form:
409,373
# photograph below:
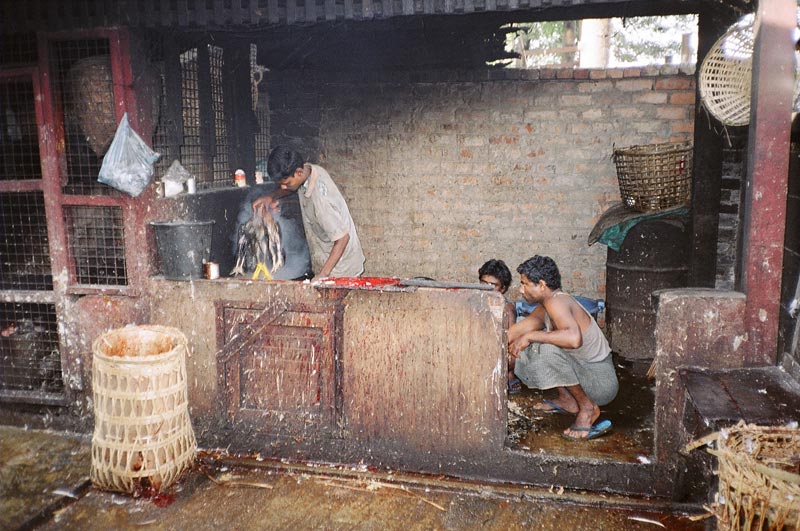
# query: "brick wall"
444,170
733,176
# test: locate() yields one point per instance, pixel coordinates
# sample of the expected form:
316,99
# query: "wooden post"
764,218
707,171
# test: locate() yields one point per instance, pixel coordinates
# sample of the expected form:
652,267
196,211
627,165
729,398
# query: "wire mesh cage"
656,176
24,249
91,85
96,244
18,49
83,82
19,131
30,359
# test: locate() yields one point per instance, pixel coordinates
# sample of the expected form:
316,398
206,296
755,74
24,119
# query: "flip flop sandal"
554,408
514,386
599,428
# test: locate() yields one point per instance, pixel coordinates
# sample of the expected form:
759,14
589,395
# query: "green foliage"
649,39
539,36
639,40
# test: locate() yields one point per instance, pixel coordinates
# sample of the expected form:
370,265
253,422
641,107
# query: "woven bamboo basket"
654,177
759,477
92,89
143,438
725,77
726,74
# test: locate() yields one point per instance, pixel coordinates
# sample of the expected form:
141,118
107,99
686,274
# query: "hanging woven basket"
726,75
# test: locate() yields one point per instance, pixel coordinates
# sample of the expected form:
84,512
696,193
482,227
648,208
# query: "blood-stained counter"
357,370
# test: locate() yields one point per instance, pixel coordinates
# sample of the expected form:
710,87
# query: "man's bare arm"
567,332
336,254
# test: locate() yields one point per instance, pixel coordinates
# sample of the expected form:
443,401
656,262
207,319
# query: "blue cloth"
593,306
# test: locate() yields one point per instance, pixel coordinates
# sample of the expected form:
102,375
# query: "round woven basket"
726,75
654,177
92,89
759,477
143,438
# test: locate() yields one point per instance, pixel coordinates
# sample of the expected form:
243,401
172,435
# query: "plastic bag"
174,178
128,163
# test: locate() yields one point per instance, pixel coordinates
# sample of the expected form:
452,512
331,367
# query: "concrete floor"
631,414
44,485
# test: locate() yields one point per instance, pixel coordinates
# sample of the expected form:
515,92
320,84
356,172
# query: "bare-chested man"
560,345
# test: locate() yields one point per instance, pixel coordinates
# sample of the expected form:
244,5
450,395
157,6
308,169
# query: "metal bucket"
183,247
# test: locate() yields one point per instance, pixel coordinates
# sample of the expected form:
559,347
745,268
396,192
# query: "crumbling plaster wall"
444,170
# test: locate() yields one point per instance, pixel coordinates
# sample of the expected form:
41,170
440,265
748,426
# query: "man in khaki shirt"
330,231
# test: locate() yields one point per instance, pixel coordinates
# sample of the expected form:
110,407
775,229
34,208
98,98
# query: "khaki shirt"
326,219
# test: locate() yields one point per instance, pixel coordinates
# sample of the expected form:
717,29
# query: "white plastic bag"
128,163
174,178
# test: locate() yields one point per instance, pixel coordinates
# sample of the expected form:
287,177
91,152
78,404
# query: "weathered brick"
681,127
658,98
671,113
633,85
674,83
682,98
595,86
575,100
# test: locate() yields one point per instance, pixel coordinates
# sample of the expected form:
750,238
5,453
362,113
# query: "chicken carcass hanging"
259,247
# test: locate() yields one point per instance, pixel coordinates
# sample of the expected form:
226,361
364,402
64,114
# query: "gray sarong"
544,366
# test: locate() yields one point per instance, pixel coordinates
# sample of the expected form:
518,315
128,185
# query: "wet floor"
39,471
44,485
45,474
631,414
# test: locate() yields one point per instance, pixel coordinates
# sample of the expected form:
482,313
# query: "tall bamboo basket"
143,438
759,477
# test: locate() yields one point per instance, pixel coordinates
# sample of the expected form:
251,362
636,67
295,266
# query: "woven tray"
654,177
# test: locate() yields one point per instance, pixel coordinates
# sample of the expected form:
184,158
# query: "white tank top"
595,346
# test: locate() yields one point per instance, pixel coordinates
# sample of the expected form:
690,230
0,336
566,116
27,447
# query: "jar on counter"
239,178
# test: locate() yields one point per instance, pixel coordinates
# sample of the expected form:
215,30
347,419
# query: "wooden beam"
709,142
764,219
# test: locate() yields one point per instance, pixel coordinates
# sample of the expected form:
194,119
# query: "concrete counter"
406,374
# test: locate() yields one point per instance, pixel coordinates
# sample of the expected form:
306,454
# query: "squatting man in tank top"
559,345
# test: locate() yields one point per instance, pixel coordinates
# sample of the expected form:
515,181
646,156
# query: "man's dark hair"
541,268
499,270
282,162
